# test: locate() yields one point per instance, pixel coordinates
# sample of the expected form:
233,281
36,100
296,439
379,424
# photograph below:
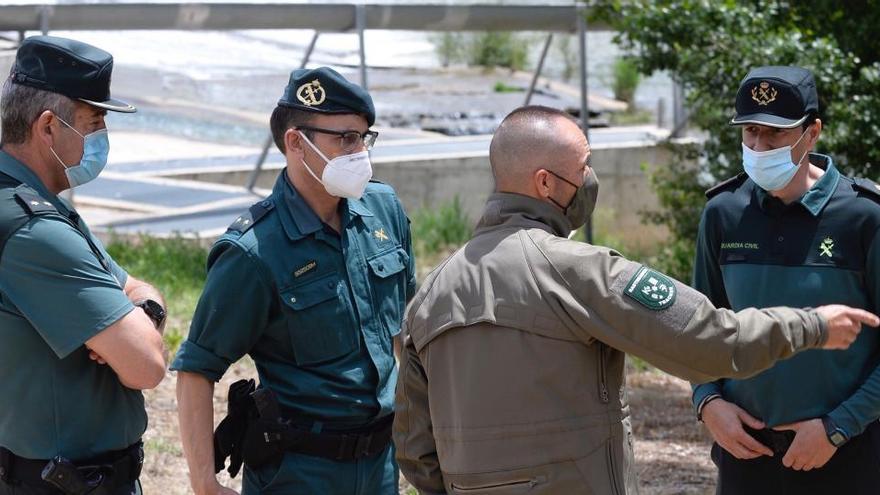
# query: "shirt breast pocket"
320,320
388,276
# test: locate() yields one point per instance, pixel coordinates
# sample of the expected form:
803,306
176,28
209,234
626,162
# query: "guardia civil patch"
651,289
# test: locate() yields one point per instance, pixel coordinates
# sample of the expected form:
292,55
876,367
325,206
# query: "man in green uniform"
512,374
792,230
311,283
78,336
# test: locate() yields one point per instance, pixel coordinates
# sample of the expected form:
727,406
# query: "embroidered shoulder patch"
651,289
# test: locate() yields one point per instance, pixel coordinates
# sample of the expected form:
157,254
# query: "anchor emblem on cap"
764,94
311,94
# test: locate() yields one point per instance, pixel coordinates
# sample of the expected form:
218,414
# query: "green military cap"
324,90
68,67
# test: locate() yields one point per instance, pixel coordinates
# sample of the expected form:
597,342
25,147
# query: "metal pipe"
360,17
258,167
585,107
44,19
539,68
320,16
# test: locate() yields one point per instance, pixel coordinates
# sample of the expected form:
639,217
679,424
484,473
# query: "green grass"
176,267
437,229
500,87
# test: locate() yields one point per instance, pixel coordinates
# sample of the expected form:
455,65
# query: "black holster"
230,433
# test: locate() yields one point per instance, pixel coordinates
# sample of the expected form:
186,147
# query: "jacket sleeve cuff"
194,358
846,421
702,391
822,326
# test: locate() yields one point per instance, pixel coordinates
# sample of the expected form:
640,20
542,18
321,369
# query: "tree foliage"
708,46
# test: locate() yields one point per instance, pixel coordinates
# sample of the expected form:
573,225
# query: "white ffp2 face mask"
772,169
345,176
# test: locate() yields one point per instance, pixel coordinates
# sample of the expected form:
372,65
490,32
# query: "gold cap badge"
311,94
764,94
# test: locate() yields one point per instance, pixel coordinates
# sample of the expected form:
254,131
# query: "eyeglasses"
350,140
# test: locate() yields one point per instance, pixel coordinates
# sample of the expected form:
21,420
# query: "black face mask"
582,203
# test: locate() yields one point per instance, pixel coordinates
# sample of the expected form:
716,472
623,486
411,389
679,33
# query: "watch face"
837,438
154,310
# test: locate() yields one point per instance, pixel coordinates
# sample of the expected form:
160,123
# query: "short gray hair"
21,105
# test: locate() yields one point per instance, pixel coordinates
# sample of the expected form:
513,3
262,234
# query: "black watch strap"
154,310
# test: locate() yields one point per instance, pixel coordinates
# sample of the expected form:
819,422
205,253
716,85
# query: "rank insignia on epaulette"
247,219
34,203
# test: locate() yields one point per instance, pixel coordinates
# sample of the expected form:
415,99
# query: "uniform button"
293,299
381,267
264,204
330,284
780,239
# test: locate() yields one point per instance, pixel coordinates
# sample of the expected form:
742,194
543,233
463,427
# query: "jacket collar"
517,210
297,217
818,196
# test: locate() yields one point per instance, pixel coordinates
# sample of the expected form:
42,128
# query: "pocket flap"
385,265
312,292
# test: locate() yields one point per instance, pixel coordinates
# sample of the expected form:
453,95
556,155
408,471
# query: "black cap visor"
111,104
768,120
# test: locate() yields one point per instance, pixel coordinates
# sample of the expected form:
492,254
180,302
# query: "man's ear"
542,185
293,143
42,130
815,130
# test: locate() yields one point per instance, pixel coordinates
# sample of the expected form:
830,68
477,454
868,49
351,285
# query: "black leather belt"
346,445
266,440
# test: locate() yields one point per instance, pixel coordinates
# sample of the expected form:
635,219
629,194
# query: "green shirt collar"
298,218
10,166
815,199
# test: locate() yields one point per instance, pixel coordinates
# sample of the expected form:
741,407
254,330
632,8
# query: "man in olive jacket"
511,379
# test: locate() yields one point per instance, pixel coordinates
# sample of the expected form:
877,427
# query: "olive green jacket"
512,374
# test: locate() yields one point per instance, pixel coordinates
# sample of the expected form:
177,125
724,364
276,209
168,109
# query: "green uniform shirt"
58,288
755,251
315,309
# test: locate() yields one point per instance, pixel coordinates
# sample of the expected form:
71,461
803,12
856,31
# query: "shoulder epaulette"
731,182
32,202
253,215
867,186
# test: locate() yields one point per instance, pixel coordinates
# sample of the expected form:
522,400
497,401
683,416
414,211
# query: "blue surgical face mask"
96,147
772,169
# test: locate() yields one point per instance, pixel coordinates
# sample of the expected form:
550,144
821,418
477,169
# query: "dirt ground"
671,448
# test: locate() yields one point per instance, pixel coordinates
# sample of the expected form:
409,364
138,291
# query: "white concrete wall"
624,189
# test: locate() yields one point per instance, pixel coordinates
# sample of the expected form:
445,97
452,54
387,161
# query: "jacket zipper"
510,484
603,374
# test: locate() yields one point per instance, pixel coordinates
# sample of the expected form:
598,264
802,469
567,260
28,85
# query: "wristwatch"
154,310
836,435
